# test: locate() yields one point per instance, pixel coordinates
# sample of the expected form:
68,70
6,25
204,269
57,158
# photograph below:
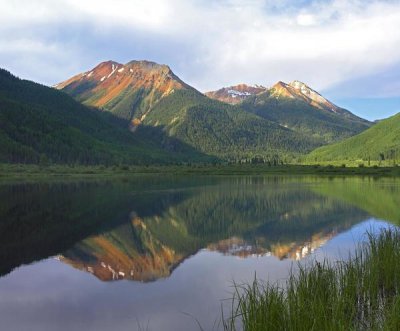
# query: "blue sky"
347,50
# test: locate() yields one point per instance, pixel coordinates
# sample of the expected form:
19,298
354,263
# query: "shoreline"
24,171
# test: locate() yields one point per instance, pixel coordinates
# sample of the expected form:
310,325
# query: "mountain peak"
110,85
306,90
235,94
279,84
110,70
147,64
297,84
281,89
109,62
294,90
299,90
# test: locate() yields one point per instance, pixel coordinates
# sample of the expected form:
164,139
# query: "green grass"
359,294
357,162
21,171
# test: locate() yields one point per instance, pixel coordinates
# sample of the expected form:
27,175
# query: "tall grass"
359,294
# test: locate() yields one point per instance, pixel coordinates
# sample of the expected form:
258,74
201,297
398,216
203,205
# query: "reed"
359,294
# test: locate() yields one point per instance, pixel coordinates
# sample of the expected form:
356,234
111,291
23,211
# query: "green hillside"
40,124
222,130
302,117
379,143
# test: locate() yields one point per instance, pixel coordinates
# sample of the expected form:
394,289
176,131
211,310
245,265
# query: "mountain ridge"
293,90
273,125
152,96
296,106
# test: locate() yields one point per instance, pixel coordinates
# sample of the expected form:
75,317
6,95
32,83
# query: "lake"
163,253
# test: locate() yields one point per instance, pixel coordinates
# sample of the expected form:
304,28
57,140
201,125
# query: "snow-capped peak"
235,93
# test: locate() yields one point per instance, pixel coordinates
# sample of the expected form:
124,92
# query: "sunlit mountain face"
142,230
133,90
151,98
296,106
293,90
128,90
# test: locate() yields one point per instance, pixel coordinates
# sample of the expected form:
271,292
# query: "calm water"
157,254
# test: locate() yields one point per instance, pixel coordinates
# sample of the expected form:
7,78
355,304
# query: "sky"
347,50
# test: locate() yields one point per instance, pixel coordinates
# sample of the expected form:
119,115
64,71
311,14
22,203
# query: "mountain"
151,95
41,124
379,143
300,91
300,108
126,90
235,94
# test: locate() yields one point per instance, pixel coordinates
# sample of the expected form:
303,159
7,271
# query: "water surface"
161,253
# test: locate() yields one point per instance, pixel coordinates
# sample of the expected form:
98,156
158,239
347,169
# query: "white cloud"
151,15
306,19
324,43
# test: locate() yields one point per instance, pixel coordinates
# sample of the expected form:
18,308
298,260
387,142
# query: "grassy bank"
360,294
24,170
354,163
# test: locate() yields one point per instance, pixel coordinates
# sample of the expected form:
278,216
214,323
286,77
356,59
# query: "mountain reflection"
143,229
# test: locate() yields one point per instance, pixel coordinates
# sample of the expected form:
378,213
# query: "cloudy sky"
348,50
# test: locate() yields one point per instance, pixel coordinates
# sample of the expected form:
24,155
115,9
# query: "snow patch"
234,93
121,70
174,120
90,74
131,70
143,117
113,69
102,78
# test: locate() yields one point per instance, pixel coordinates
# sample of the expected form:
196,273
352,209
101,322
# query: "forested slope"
41,124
